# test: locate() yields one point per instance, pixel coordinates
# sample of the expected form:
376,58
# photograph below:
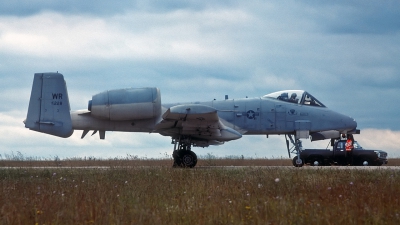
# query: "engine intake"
126,104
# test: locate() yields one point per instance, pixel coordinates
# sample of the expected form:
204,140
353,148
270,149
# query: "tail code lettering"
57,95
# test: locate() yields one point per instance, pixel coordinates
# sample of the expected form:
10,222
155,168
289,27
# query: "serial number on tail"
56,102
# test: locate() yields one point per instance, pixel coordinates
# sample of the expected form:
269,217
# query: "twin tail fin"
49,109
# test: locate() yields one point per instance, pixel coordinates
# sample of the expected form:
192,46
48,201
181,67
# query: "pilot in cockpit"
283,96
293,98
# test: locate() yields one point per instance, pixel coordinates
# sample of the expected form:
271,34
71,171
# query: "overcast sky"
345,53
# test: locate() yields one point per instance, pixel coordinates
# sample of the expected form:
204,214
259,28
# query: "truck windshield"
341,146
295,96
357,146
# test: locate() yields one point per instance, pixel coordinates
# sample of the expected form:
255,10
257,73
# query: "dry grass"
91,162
162,195
141,162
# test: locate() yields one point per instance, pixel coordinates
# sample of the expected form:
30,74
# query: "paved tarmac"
310,167
226,167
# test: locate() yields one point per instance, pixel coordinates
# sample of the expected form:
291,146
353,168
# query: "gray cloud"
357,16
103,8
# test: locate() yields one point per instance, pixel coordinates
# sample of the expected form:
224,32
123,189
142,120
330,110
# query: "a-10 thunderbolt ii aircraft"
293,113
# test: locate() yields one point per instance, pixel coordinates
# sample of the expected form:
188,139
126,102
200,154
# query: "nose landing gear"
296,148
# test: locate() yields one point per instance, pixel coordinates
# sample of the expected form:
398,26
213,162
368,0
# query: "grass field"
129,194
209,160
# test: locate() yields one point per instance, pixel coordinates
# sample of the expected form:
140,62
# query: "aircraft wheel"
184,158
188,159
295,163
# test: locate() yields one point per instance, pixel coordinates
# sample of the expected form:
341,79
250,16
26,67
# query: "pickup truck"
337,156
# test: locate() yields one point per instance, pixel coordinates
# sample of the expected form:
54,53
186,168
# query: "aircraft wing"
200,122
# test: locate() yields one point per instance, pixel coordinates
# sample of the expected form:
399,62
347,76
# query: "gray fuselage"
247,116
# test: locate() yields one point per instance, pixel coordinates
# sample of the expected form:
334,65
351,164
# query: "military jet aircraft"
293,113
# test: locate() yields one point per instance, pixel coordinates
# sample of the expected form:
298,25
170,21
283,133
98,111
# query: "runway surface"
222,167
311,167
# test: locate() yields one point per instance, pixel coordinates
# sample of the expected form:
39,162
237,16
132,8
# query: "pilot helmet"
284,95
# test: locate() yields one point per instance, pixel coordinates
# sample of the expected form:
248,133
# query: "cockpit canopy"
295,96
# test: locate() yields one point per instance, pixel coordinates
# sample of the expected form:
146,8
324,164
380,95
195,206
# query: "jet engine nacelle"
126,104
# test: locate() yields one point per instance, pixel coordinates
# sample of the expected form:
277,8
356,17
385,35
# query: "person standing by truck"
349,149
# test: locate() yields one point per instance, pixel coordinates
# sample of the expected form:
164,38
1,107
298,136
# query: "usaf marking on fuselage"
197,124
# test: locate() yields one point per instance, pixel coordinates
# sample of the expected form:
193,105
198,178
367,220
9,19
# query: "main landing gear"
296,148
183,156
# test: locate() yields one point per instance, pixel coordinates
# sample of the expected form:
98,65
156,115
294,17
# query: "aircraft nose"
354,123
350,123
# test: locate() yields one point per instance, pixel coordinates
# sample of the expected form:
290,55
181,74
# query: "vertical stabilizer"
49,110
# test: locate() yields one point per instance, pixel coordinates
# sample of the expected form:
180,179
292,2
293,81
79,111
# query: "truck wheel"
316,162
366,162
295,163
